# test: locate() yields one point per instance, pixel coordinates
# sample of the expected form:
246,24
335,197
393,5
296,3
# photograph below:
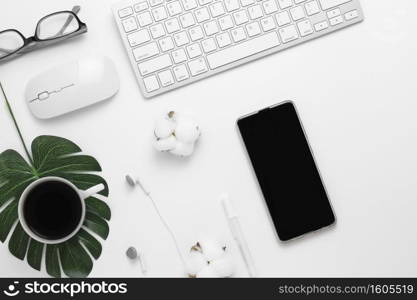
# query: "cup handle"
92,191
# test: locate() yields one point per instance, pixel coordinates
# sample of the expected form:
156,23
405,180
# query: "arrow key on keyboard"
336,20
321,26
351,15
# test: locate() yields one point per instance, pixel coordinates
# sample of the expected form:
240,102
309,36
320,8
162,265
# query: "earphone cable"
168,228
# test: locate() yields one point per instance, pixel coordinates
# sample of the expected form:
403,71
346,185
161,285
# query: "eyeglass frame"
34,42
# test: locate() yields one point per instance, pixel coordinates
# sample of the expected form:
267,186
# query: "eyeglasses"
51,29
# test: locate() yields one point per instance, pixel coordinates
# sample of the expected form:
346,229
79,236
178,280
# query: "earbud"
133,254
133,182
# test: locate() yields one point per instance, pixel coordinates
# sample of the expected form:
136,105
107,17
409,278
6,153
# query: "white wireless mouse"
71,86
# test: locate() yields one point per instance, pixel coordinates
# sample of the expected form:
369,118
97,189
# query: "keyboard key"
238,34
333,13
217,9
297,13
246,2
288,34
305,27
145,19
181,73
196,33
223,39
194,50
336,20
240,17
253,29
159,13
231,5
299,1
326,4
187,20
321,26
157,31
129,24
166,78
154,64
226,22
172,25
243,50
270,6
283,18
211,28
166,44
174,8
197,66
181,38
312,8
255,12
155,2
138,37
208,45
145,51
189,4
204,2
179,56
151,83
141,6
351,15
125,12
285,3
202,14
268,24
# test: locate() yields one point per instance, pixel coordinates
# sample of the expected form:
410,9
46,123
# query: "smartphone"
286,171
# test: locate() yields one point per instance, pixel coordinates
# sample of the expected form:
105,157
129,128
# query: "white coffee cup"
82,195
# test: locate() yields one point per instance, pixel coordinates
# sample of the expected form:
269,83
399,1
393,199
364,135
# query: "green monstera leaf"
53,156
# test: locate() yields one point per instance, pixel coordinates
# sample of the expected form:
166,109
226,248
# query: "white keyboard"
172,43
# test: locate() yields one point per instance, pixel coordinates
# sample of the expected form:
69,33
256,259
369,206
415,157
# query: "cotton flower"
176,133
209,258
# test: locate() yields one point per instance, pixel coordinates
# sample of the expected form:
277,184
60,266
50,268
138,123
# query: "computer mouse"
71,86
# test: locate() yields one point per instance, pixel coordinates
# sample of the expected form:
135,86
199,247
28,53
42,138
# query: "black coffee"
52,210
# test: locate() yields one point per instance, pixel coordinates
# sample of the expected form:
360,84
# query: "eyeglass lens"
10,41
57,25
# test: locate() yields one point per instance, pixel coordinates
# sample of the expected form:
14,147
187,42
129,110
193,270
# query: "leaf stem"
17,126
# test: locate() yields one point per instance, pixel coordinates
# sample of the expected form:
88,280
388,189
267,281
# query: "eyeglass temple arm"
76,9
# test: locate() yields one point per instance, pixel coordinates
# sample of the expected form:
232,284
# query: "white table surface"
355,91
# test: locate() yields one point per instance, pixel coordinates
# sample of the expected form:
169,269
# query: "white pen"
237,233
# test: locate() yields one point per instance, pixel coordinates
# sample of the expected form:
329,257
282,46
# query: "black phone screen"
286,171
